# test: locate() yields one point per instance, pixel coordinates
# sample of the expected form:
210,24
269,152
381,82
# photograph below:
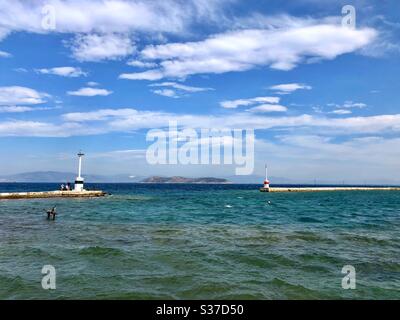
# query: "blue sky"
322,98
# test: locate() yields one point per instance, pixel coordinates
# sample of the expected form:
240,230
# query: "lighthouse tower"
266,181
79,180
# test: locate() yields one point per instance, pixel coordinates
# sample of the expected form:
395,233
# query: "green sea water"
201,242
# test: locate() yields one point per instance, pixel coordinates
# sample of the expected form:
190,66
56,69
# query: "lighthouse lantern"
79,180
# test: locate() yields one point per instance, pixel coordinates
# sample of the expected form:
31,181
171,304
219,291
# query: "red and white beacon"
266,181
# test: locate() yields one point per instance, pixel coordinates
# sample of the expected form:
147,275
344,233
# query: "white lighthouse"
79,180
266,181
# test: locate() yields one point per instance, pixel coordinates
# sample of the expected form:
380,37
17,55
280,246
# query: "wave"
310,237
100,251
287,290
130,197
15,287
368,240
37,253
309,220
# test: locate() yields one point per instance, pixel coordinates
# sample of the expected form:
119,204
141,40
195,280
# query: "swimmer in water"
51,213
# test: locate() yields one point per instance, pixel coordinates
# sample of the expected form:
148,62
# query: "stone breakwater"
52,194
318,189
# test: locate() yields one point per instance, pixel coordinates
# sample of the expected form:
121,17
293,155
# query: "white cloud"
4,54
97,47
19,128
15,95
263,108
22,70
63,71
15,109
141,64
145,75
87,16
89,19
344,108
132,119
119,155
278,48
26,128
90,92
166,93
351,104
289,87
126,120
3,32
387,43
233,104
21,109
341,111
99,115
92,84
180,87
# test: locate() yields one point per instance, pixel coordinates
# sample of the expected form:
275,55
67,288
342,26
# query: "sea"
182,241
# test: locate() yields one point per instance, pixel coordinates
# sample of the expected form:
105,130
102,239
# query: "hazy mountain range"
63,177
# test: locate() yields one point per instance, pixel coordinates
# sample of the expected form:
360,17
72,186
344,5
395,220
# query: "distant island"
63,177
158,179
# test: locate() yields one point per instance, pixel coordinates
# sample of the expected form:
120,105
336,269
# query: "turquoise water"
201,242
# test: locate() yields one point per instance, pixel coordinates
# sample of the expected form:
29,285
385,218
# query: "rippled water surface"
201,242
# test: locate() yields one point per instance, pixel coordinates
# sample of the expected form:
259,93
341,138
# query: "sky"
321,97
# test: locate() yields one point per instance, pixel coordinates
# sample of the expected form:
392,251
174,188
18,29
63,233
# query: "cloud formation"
345,108
97,47
71,72
141,64
4,54
15,95
166,93
278,48
341,111
233,104
288,88
351,104
178,89
21,109
103,27
89,92
264,108
88,16
132,119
